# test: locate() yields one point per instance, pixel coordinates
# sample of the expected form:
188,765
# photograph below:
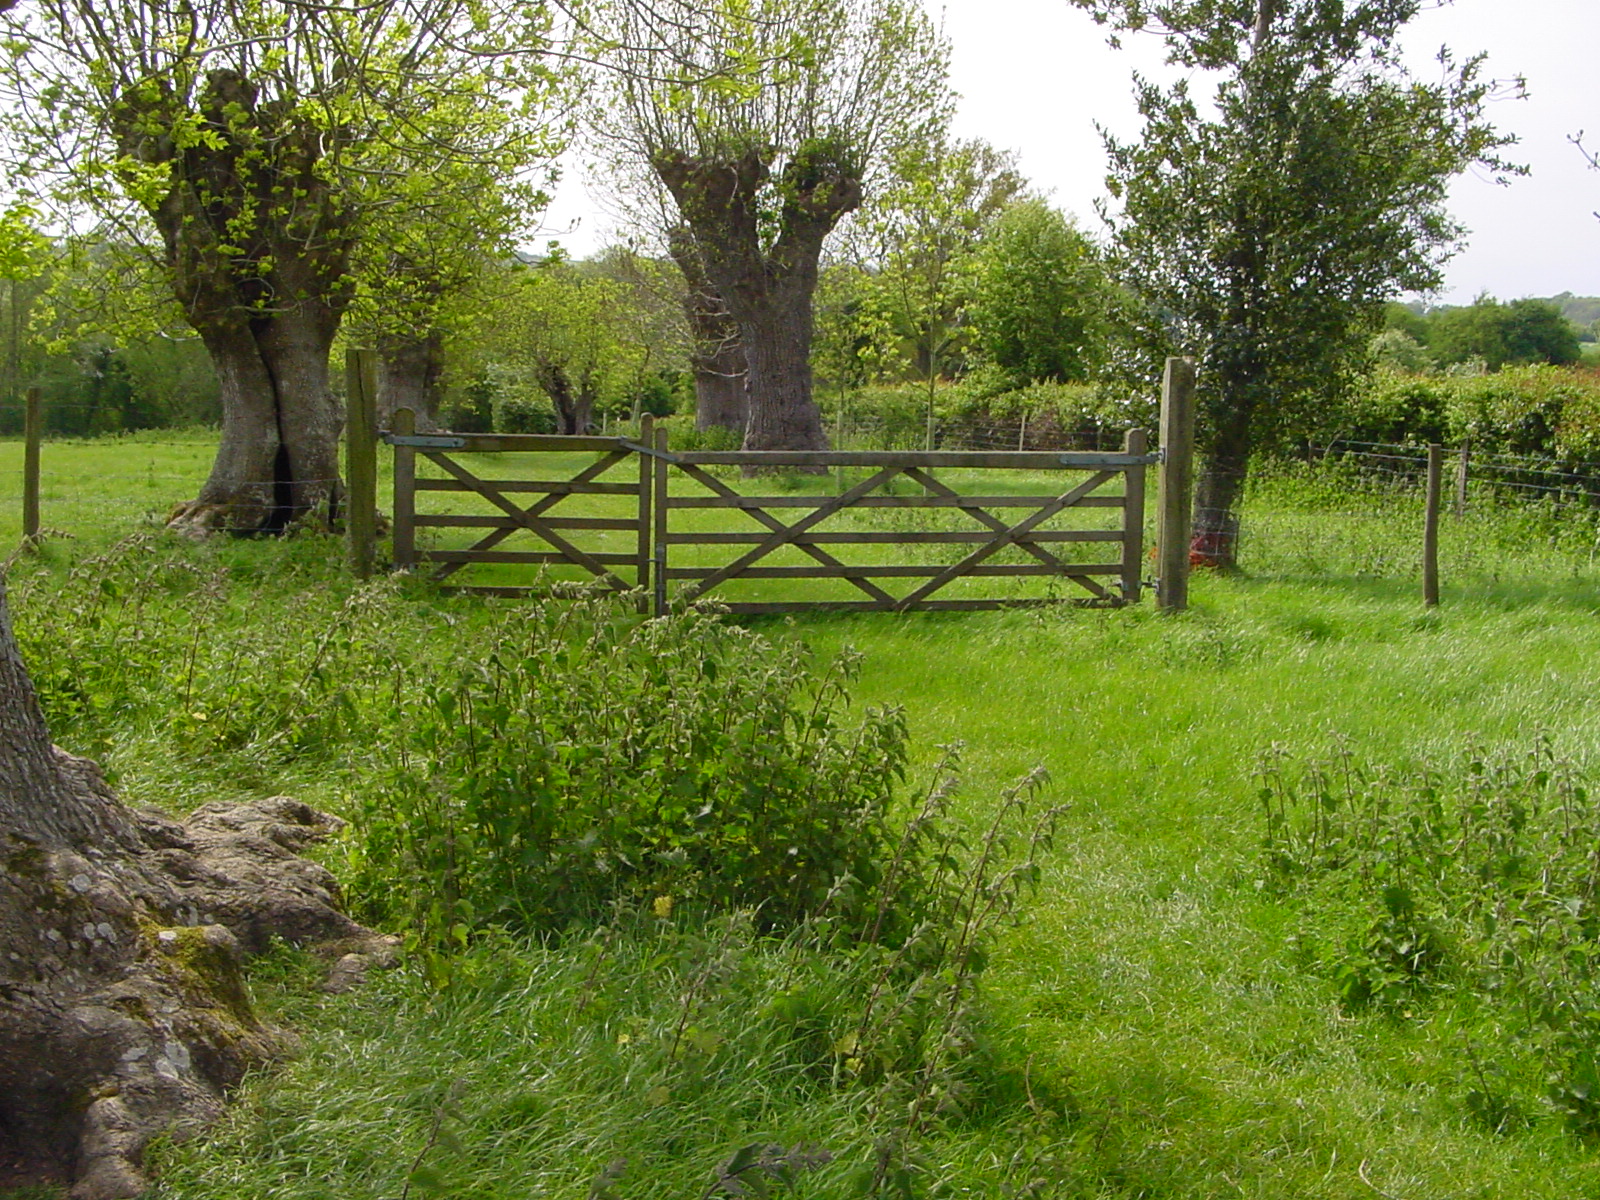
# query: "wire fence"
1356,509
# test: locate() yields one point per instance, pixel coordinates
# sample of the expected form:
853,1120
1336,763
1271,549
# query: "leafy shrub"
682,435
1394,408
984,411
1482,879
585,757
1551,412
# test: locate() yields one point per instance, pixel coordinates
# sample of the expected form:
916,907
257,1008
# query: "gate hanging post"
1134,442
658,569
1174,514
647,474
32,434
361,458
404,422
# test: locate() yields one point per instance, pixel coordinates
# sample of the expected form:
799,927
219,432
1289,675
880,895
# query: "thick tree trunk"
575,413
122,1010
1219,482
782,413
768,286
721,376
573,402
720,381
410,375
278,458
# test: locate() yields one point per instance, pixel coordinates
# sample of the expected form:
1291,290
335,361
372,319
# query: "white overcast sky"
1034,76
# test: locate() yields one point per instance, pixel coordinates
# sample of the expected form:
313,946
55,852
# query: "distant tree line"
1487,333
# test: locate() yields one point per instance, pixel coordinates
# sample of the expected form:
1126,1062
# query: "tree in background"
768,122
1521,332
1263,239
569,329
919,236
248,145
446,222
1041,297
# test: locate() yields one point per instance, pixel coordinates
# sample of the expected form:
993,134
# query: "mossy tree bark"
123,1013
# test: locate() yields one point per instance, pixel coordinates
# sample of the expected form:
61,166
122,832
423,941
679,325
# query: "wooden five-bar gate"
632,516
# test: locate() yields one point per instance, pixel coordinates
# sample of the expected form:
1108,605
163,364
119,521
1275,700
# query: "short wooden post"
32,435
1430,528
658,569
839,438
361,458
647,474
404,424
1134,442
1175,505
1461,479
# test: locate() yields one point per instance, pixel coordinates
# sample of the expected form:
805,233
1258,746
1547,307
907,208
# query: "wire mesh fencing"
1356,509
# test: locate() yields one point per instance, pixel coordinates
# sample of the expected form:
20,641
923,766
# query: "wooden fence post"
658,569
32,434
1461,479
404,424
1174,514
361,458
1430,528
647,474
1135,441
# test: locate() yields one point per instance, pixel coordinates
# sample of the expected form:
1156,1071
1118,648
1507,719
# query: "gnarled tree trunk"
721,376
768,287
573,398
122,1009
278,458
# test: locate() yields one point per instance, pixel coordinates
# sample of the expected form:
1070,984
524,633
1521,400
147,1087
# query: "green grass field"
1166,1029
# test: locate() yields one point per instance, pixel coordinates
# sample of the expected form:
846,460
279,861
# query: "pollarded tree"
768,122
248,144
1264,238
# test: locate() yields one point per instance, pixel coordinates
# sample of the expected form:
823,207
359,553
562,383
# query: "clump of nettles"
583,758
1476,884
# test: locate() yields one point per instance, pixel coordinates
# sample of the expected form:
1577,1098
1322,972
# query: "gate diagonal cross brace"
528,518
787,533
979,514
1007,536
986,518
773,523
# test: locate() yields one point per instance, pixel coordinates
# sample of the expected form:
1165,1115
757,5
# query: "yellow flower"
663,907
